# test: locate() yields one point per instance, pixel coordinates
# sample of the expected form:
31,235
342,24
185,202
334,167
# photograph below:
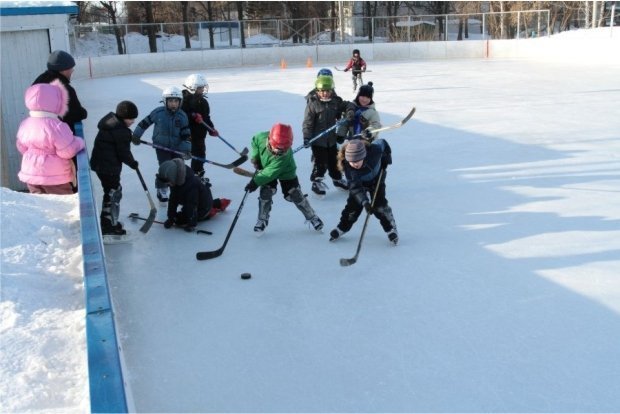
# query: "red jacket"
356,66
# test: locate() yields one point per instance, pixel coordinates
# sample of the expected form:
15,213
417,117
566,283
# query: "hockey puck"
245,276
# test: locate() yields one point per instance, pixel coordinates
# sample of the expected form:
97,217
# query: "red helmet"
281,137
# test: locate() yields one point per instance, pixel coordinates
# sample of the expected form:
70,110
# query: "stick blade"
244,151
149,221
209,255
348,262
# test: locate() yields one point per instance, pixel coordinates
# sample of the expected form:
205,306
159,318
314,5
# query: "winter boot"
341,183
316,222
319,187
335,234
264,208
393,236
224,203
162,194
260,226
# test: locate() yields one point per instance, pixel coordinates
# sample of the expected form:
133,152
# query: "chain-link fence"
100,39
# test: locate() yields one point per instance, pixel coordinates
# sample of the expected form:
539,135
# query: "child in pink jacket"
46,143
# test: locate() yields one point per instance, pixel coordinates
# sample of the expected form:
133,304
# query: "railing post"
518,24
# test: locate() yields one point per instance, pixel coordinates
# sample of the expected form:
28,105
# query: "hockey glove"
197,118
213,132
135,140
133,165
366,134
169,223
306,142
252,186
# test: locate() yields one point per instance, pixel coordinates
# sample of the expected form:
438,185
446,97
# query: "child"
196,106
322,111
46,143
189,192
171,131
272,156
366,116
322,72
357,66
362,163
112,149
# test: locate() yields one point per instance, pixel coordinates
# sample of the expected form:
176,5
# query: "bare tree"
185,14
110,8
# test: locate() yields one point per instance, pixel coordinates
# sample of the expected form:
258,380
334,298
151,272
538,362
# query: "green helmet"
324,82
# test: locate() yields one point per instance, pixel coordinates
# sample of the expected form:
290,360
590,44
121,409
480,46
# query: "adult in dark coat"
112,149
60,65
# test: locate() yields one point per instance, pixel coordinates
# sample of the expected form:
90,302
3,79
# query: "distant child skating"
357,65
111,150
272,156
171,131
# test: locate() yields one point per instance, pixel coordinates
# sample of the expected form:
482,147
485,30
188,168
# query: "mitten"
197,118
213,132
366,134
346,70
252,186
135,140
169,223
133,165
306,142
350,115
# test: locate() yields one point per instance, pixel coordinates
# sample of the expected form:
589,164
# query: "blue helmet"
325,72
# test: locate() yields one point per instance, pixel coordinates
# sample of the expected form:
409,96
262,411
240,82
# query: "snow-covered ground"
503,294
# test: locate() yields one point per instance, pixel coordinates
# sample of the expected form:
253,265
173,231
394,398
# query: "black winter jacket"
320,115
197,105
194,197
76,112
112,146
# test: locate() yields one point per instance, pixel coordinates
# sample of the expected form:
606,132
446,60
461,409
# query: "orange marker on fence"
283,64
309,62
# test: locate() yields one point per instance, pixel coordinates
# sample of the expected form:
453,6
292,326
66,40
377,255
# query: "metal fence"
99,39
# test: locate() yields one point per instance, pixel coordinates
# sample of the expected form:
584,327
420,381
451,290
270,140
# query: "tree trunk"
184,9
210,17
150,28
240,17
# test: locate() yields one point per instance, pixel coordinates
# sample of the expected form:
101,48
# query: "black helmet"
356,52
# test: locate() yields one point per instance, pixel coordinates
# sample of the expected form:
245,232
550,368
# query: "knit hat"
126,110
355,151
366,90
172,171
60,60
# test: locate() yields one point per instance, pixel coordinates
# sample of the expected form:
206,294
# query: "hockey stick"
389,127
342,70
215,253
243,172
243,152
148,222
136,216
235,163
349,262
322,134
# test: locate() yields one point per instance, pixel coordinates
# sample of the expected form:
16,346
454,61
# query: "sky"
502,295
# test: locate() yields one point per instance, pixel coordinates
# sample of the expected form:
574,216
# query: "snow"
503,294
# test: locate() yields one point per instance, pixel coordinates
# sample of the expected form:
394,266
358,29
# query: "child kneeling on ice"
188,191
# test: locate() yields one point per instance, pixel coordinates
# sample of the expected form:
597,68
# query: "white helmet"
195,81
172,92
